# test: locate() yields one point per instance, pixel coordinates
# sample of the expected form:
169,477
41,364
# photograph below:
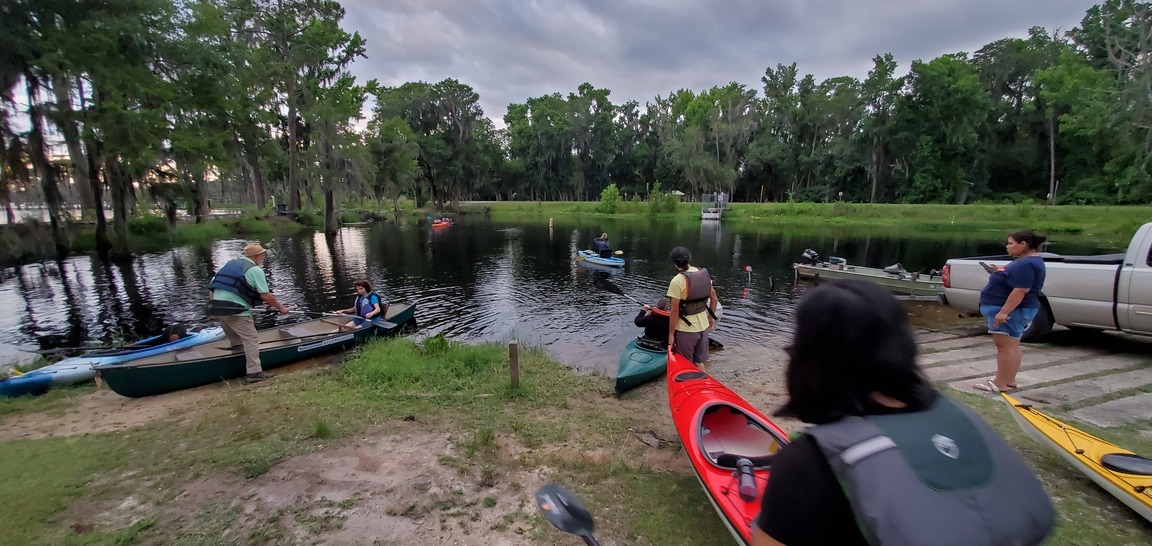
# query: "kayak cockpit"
1127,463
727,435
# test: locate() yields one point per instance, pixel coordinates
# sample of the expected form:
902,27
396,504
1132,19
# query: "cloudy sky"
510,50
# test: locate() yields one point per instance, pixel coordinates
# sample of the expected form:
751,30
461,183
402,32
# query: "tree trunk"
72,141
201,199
331,222
118,185
93,154
257,179
103,245
39,151
396,208
1052,159
293,172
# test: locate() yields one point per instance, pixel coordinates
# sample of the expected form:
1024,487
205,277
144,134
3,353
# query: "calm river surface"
479,280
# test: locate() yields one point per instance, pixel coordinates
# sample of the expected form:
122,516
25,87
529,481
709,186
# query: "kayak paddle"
607,285
564,510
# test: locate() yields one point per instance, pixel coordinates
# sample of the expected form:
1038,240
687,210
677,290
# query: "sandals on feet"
990,386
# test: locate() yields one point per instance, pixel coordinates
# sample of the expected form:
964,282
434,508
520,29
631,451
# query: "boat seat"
189,355
651,344
1127,463
292,333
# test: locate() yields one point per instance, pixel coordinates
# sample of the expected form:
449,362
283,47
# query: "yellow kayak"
1126,475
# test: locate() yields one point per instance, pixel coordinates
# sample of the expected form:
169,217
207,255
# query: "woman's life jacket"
940,476
699,284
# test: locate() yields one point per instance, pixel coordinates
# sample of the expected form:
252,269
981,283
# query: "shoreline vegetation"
500,443
31,241
1111,222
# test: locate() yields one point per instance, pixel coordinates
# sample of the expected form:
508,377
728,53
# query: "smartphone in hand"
988,268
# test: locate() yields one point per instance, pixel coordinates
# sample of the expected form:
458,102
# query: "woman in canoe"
890,460
368,305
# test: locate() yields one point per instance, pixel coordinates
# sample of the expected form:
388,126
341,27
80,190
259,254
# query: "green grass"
1112,222
558,425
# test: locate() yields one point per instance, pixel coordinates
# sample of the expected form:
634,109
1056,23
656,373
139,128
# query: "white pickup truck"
1108,292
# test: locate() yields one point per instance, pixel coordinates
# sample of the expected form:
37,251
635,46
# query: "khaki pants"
241,330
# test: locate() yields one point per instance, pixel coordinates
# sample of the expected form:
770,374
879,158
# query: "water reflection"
478,280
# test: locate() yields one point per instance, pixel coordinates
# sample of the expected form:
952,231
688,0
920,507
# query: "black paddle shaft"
607,285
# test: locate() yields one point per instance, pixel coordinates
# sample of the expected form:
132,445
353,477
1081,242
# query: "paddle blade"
562,509
607,285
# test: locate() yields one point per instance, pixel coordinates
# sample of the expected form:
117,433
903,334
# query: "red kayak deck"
717,428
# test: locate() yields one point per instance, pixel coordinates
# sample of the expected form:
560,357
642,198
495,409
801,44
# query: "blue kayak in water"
593,257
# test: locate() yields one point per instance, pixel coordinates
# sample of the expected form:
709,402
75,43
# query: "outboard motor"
811,255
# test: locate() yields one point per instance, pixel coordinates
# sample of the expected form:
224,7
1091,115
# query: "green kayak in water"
643,360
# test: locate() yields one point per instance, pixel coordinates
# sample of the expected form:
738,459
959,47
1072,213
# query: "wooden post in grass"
514,362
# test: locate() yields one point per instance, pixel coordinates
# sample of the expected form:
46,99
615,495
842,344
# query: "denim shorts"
1018,320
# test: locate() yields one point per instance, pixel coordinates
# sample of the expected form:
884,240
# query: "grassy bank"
32,241
1095,221
556,427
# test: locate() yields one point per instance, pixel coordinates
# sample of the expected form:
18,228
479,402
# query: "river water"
479,280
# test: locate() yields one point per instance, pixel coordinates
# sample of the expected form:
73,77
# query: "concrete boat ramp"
1092,377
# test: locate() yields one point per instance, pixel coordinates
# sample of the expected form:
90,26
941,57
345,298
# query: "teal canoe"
213,362
641,362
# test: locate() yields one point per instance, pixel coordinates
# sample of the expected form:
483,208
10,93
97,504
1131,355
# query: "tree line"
160,100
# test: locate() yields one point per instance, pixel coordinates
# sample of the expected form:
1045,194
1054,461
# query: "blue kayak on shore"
594,258
78,369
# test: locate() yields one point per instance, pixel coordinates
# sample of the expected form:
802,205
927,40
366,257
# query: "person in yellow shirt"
693,308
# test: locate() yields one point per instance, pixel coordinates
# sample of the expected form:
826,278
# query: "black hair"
680,257
364,283
852,339
178,329
1027,237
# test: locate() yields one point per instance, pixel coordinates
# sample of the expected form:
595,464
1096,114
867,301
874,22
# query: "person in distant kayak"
367,306
1010,301
603,247
242,284
693,308
654,321
890,460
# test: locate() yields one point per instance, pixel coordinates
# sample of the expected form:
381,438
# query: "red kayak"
730,443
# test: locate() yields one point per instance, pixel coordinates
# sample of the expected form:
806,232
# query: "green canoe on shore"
641,362
209,363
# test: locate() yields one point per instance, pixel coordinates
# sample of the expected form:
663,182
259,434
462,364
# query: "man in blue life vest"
241,284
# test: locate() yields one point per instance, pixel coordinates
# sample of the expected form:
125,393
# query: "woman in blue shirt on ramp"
1010,301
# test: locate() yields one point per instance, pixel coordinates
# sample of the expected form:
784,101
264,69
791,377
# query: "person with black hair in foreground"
891,460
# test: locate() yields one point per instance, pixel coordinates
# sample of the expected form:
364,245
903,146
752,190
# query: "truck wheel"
1041,326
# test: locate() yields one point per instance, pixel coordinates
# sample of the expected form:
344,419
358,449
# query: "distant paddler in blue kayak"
603,246
367,306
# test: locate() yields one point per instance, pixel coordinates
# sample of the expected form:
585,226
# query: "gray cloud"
510,50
